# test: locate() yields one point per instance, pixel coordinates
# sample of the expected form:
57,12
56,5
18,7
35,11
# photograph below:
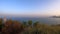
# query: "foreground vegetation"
16,27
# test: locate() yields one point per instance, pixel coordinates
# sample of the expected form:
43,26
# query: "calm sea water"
44,20
41,20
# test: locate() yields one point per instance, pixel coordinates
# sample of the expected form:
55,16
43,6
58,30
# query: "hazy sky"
30,7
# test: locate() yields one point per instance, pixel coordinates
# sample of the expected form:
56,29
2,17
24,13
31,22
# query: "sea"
42,20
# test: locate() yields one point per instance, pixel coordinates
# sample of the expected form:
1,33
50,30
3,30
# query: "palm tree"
36,23
30,22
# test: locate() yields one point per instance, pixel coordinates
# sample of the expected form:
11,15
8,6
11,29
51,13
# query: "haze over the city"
30,7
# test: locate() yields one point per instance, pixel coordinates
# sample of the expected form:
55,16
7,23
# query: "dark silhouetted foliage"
16,27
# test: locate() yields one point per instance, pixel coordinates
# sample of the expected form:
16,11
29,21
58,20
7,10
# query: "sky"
30,7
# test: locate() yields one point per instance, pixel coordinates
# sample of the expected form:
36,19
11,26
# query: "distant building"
4,19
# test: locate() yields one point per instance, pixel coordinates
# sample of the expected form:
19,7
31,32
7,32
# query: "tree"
0,24
30,22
